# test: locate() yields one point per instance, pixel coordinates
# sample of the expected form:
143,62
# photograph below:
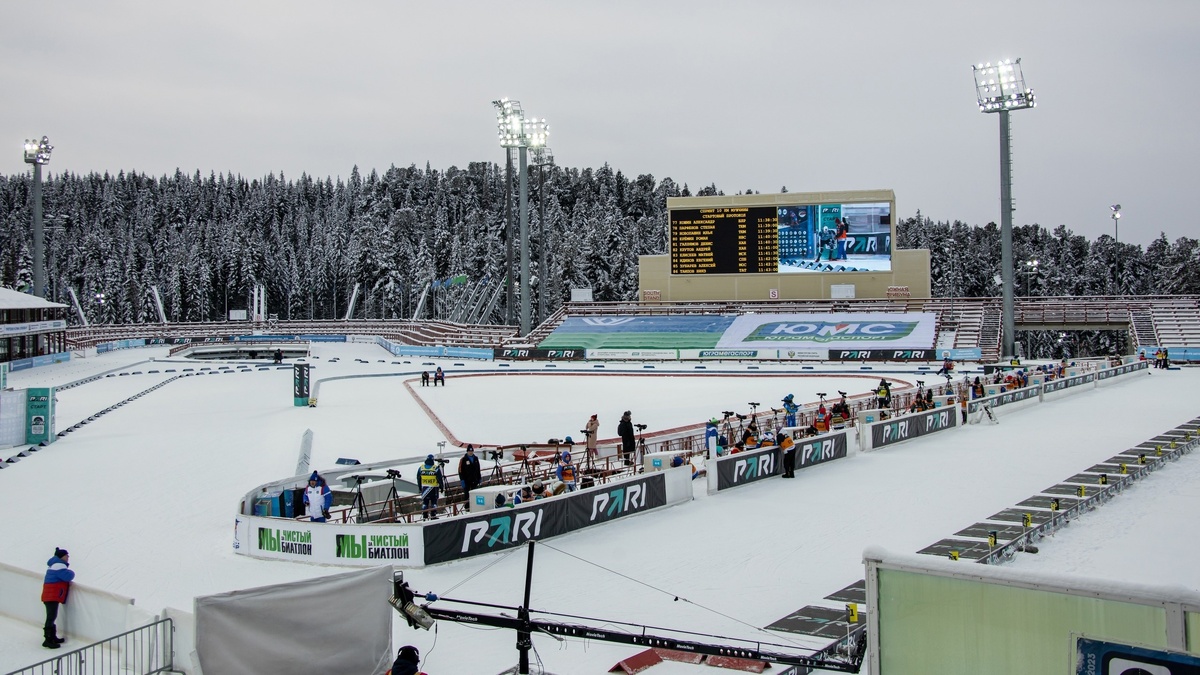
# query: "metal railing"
141,651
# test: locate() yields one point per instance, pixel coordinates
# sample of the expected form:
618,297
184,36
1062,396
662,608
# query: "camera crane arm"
640,639
404,602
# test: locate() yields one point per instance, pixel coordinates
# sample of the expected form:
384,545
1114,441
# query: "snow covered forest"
206,241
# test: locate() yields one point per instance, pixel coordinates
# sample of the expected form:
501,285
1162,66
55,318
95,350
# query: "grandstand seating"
1170,321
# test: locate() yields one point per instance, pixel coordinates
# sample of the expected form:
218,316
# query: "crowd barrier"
436,352
463,536
38,361
750,466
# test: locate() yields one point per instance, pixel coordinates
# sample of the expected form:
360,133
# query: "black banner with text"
911,426
507,528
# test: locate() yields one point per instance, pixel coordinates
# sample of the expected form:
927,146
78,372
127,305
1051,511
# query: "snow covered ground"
144,497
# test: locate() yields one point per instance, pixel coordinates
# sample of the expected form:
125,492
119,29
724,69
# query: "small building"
30,326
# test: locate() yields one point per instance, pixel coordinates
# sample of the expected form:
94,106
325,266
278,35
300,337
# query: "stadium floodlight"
514,131
37,153
1116,216
542,158
1000,88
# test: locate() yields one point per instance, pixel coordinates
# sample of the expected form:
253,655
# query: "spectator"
408,661
439,376
977,389
539,491
678,460
54,593
790,407
317,498
789,455
590,430
842,408
425,378
278,356
469,474
628,442
883,394
750,436
566,472
712,438
431,481
947,365
525,495
843,231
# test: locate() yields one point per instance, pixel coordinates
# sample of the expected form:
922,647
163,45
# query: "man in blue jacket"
54,592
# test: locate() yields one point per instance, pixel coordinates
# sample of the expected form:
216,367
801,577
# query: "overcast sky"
854,94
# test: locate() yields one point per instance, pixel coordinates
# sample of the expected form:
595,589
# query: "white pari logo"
619,501
607,320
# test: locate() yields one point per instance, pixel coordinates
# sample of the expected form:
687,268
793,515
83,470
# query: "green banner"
39,415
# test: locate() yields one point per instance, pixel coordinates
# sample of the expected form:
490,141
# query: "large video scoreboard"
791,235
725,240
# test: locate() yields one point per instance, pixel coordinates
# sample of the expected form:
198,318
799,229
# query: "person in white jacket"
317,498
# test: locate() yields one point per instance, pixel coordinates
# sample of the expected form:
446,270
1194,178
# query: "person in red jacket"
54,593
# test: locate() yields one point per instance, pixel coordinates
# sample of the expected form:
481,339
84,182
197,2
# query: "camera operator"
628,441
469,474
589,433
432,481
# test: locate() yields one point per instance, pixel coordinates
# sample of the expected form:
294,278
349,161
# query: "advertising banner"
899,430
39,415
883,355
822,449
508,528
539,354
1068,382
1004,398
748,467
634,354
1093,657
329,543
32,327
300,384
852,332
636,331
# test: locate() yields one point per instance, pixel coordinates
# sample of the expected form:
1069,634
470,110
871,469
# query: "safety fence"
141,651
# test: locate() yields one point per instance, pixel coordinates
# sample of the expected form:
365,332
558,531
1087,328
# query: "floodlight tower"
542,158
1000,88
517,132
37,153
1116,216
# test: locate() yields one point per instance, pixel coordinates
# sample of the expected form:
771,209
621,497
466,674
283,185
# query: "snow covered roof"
10,299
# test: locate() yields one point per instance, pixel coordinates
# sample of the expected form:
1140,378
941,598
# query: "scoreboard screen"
725,240
799,238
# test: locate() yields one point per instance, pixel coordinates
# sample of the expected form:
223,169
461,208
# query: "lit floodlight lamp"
1116,211
38,152
1001,86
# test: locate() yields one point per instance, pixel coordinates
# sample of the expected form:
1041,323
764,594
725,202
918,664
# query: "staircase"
1142,327
990,332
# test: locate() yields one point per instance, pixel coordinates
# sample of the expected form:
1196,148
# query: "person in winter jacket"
590,430
566,472
431,481
469,474
54,593
628,442
408,661
790,407
317,498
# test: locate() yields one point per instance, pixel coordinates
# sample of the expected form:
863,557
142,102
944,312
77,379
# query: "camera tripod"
640,453
359,507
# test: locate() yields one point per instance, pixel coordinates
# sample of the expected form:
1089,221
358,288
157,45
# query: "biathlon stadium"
1038,523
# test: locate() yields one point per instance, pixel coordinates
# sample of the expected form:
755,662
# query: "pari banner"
898,430
746,467
831,331
503,529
